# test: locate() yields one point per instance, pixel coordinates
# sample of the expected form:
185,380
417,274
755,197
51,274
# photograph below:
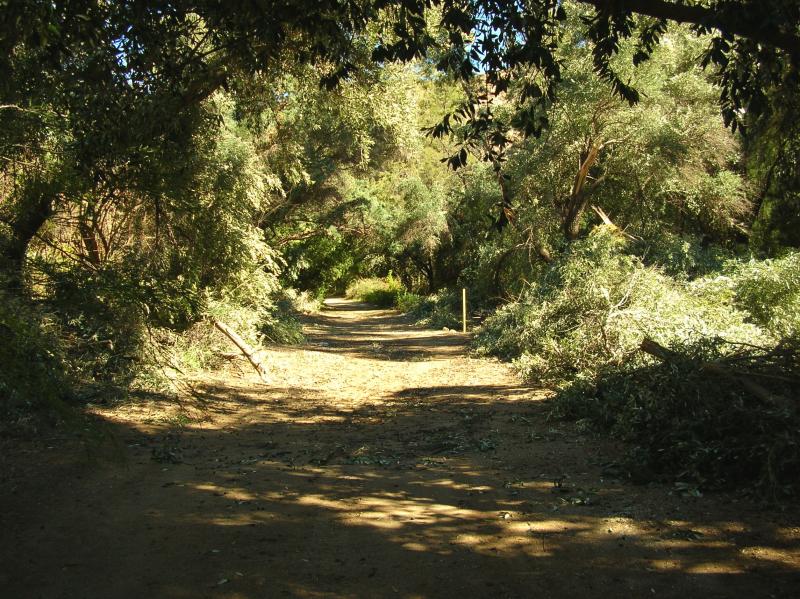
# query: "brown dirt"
382,461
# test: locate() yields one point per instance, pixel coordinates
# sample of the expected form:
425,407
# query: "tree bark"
579,194
90,243
498,268
430,273
24,224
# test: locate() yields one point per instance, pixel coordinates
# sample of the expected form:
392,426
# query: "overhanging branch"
700,15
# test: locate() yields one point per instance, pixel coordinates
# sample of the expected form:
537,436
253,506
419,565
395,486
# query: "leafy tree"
754,46
772,146
667,159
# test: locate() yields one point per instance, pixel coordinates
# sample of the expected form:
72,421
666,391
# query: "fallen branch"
657,350
251,354
606,220
667,355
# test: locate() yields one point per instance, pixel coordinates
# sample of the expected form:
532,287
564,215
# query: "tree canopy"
595,172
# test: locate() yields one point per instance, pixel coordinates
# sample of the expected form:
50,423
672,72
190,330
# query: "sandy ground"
381,461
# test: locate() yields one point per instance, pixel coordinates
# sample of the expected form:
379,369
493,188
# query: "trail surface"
381,462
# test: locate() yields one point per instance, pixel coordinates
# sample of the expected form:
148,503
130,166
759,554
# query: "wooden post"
464,309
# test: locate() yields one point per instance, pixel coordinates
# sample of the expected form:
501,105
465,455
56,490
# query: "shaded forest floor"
382,461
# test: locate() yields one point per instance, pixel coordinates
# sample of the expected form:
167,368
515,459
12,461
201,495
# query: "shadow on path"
454,486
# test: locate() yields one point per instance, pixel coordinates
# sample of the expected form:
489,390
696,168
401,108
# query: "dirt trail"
381,462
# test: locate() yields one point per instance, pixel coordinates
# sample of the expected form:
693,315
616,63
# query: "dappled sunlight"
773,554
349,470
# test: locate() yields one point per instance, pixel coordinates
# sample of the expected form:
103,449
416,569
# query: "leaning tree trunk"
23,225
581,190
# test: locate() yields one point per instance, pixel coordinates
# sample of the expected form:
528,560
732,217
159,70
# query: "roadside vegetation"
625,240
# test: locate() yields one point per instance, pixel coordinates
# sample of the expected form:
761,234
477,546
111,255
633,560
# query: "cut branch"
759,392
251,354
607,221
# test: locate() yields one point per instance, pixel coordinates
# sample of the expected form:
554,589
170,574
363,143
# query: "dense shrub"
136,323
382,293
440,309
719,411
437,310
203,347
33,374
682,256
769,291
596,303
110,318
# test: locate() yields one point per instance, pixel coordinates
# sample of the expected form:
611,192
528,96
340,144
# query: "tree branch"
700,15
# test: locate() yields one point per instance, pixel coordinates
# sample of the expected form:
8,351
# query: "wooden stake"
464,309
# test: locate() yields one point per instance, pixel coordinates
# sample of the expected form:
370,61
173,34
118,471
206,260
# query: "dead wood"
715,368
249,353
607,221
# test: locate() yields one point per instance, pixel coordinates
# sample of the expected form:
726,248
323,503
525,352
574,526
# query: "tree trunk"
579,194
498,268
24,224
430,273
506,215
90,243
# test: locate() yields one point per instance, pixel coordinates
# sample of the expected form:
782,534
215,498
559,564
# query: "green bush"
259,319
769,291
595,304
33,373
682,256
580,327
382,293
437,310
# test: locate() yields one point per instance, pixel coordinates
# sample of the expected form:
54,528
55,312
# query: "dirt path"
381,462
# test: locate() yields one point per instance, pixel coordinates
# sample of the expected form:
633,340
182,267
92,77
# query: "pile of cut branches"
712,414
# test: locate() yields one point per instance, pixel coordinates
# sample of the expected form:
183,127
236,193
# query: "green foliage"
580,326
438,310
382,293
103,320
33,374
769,291
665,163
273,320
139,202
682,256
365,209
595,304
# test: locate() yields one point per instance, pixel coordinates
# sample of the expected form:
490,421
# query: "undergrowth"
438,310
382,293
698,420
595,304
579,329
34,374
72,339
